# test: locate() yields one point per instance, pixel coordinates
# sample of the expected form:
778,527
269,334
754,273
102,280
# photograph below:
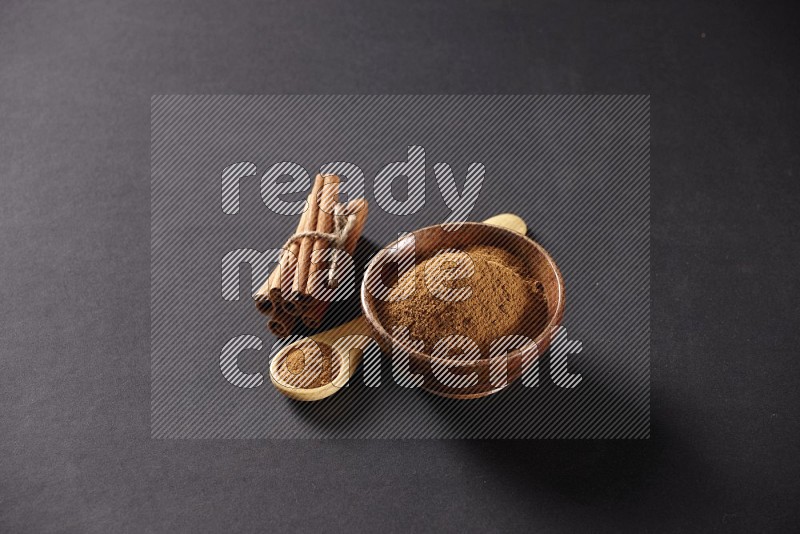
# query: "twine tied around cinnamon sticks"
344,223
288,295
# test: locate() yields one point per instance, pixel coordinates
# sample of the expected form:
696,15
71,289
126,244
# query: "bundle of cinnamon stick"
292,291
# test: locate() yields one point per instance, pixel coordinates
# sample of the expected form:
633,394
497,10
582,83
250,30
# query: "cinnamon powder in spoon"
307,368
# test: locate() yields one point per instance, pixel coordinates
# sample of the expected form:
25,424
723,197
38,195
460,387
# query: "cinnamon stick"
280,279
313,316
276,290
329,196
306,245
281,323
288,292
264,305
288,268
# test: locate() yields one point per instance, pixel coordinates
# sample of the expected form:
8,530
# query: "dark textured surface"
75,86
585,193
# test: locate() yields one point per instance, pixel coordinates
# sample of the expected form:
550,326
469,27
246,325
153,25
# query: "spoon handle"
357,326
509,221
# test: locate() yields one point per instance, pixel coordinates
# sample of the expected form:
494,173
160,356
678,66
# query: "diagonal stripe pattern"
575,167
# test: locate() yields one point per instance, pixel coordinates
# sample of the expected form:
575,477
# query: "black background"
76,81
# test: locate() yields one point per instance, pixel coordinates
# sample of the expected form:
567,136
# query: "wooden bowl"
425,243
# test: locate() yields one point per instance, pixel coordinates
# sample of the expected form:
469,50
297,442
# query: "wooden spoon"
347,363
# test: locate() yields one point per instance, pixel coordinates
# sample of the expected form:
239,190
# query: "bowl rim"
545,334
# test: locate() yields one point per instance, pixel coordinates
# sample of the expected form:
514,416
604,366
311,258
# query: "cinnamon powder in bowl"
479,292
460,291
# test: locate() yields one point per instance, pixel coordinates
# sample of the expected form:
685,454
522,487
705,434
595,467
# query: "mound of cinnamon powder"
498,298
304,367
